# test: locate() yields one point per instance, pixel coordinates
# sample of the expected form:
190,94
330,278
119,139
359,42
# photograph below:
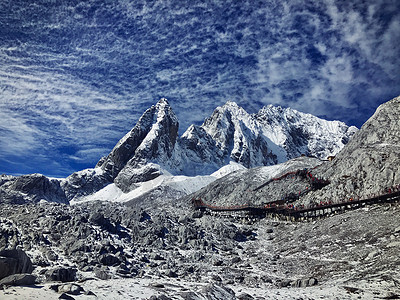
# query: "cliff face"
230,134
370,162
30,188
153,138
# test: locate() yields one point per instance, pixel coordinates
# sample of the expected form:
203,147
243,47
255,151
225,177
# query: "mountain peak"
273,135
164,110
163,100
157,121
230,103
163,103
275,109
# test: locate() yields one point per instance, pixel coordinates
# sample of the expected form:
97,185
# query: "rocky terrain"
253,186
178,253
367,166
370,162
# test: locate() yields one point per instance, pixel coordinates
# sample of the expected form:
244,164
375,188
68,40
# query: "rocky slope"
369,163
366,166
153,147
30,188
152,139
247,186
299,133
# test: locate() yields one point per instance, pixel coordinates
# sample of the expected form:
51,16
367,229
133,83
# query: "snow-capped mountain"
239,136
271,136
230,135
152,139
159,243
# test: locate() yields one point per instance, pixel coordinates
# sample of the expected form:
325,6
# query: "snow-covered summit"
273,135
238,135
300,133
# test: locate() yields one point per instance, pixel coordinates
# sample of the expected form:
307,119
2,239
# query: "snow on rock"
299,133
271,136
85,182
239,187
239,137
153,137
225,170
30,188
180,185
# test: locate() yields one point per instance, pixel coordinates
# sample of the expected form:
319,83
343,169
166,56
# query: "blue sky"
75,76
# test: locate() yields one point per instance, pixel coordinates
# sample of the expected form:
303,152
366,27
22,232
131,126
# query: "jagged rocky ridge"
369,163
153,146
271,136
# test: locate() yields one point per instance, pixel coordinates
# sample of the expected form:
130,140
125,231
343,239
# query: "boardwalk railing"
285,207
276,208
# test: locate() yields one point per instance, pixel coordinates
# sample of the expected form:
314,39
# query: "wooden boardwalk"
291,212
285,208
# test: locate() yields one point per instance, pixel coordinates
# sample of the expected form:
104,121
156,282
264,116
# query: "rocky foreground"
171,253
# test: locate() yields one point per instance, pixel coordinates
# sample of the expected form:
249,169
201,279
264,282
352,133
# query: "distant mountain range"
153,148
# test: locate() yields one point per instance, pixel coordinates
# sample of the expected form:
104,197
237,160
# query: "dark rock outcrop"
61,274
18,279
13,262
31,188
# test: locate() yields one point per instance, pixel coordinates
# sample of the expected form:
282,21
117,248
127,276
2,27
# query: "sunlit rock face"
30,188
230,134
157,126
368,165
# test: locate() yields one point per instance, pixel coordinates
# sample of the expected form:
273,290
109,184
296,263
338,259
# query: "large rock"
13,262
305,282
70,288
99,219
61,274
214,291
31,188
18,279
102,274
109,260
